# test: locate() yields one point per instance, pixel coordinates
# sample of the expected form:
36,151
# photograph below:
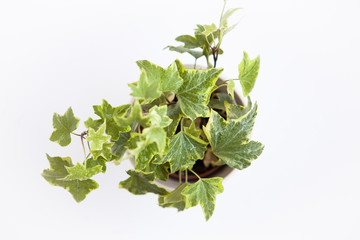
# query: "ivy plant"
179,120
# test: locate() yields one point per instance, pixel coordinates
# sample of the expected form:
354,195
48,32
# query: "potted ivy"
181,120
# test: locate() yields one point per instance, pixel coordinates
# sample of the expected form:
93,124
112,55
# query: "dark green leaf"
139,183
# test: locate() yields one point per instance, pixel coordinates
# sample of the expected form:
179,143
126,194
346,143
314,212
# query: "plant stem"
179,176
182,124
186,176
83,146
195,173
167,100
79,135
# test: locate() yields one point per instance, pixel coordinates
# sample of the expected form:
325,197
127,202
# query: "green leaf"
78,189
98,138
194,94
234,111
155,135
192,130
227,14
174,199
189,41
139,183
94,124
248,72
204,191
107,113
168,80
209,29
174,113
179,49
229,140
63,126
154,80
105,152
158,116
231,87
184,150
136,115
160,170
219,100
100,161
79,172
119,147
144,89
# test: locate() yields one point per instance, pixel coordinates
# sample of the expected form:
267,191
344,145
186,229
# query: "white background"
56,54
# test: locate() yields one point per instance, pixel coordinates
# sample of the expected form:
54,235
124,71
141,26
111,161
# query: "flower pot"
199,167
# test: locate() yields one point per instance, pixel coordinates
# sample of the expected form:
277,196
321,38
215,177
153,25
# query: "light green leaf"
78,189
236,112
158,116
156,135
139,183
79,172
107,113
174,113
204,191
231,87
155,80
227,14
174,199
194,94
209,29
190,42
248,72
229,140
179,49
184,150
98,138
144,89
94,124
63,126
105,152
168,80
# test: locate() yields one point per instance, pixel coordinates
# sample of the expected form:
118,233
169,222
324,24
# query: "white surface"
56,54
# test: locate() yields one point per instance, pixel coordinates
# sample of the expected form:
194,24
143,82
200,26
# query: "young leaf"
235,112
227,14
190,42
63,126
194,94
156,135
78,189
79,172
98,138
107,113
139,183
229,140
204,191
105,152
248,72
155,80
174,199
158,116
179,49
192,130
184,150
168,80
144,89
